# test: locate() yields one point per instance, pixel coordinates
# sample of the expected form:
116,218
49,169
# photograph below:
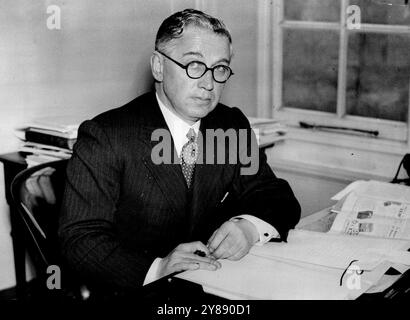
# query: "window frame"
388,129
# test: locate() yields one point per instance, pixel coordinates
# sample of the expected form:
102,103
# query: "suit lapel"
206,176
169,177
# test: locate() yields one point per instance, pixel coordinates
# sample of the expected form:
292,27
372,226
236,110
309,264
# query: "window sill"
353,141
339,156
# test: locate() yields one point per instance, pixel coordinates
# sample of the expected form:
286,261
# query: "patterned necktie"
189,156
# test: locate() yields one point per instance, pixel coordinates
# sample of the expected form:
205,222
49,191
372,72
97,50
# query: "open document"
256,277
311,265
372,208
318,265
335,250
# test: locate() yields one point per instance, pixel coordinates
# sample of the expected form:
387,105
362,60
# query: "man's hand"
233,240
183,258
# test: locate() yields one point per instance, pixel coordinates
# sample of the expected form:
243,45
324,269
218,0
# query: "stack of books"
48,139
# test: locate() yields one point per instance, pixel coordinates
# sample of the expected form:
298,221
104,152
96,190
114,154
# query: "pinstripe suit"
120,210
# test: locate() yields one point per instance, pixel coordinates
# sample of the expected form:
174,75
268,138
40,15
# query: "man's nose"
207,81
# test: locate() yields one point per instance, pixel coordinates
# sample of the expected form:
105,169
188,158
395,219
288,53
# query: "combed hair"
173,26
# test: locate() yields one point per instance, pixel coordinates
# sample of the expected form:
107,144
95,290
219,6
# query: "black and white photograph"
204,158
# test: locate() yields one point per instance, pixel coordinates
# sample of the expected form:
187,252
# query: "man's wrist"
265,230
249,229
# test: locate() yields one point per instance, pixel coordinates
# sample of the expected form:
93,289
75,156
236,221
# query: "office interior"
294,60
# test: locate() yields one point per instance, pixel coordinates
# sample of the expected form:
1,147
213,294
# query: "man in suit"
126,219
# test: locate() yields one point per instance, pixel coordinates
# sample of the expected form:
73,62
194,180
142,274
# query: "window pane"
383,11
310,65
378,75
312,10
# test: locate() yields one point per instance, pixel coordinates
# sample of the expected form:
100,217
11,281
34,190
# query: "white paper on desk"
395,256
255,277
331,250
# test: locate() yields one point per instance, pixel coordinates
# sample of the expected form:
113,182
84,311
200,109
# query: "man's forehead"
199,55
202,42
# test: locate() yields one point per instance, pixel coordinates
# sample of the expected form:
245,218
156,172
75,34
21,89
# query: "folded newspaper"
373,208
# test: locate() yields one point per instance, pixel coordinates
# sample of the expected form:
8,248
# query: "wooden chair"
37,193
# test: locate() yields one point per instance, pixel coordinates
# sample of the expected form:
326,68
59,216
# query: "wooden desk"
14,163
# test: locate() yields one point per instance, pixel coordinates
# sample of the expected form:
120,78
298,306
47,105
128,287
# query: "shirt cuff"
152,273
266,231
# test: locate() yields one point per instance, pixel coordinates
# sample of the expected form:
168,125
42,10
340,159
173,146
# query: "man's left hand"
233,240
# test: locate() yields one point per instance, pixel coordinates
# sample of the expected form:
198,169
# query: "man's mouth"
204,99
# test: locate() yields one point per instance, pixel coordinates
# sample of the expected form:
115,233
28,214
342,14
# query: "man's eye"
195,65
221,69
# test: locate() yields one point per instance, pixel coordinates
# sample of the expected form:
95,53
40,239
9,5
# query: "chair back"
36,194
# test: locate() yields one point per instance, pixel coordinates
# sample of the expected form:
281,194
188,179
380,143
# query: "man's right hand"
183,258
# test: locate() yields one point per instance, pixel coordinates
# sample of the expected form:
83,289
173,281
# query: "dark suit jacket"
120,210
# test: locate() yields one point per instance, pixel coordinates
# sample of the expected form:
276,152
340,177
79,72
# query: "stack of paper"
61,124
40,153
48,139
267,130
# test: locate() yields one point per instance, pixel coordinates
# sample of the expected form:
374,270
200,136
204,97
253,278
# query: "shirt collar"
178,127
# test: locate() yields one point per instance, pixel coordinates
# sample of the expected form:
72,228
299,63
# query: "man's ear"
157,66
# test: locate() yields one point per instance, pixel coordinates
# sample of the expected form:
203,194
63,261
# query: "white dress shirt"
179,128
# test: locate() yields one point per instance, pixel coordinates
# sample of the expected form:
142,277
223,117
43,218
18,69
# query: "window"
331,74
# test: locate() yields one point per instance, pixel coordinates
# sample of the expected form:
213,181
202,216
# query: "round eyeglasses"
196,69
